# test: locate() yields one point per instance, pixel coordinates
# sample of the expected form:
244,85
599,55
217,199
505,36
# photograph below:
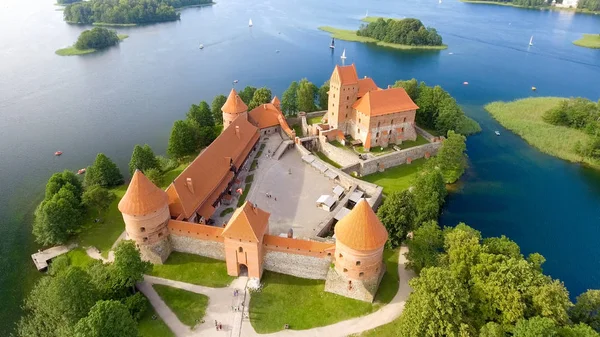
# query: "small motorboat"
81,171
235,81
201,46
466,83
533,88
332,45
497,133
57,153
450,53
250,23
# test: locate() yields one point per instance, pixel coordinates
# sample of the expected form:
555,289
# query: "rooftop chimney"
189,184
237,131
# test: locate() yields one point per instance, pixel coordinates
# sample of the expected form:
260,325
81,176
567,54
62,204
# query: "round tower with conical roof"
360,240
145,210
233,108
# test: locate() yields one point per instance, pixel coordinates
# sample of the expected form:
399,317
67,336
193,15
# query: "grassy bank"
194,269
189,307
350,35
291,300
106,24
396,178
524,117
151,325
589,41
72,51
548,8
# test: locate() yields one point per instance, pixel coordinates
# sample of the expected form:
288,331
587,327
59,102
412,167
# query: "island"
90,41
581,6
406,34
589,41
539,120
128,13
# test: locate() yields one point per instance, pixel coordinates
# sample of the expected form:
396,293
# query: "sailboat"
332,46
367,15
343,57
531,41
250,23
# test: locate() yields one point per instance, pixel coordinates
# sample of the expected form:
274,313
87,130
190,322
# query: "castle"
179,219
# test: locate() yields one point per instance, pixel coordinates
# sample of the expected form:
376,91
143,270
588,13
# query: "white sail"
343,57
531,41
250,23
366,15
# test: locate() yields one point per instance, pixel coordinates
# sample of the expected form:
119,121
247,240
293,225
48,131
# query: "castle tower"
233,107
343,92
276,102
145,209
360,239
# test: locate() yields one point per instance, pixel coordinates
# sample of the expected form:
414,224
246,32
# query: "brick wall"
344,157
397,158
297,265
185,244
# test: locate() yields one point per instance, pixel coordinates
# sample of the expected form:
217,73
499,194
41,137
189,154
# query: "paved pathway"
221,304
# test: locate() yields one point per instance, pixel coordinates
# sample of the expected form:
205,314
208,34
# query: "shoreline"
72,51
591,41
546,8
349,35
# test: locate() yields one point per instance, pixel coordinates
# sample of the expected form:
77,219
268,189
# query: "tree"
451,157
155,176
398,214
97,38
182,141
587,309
128,267
201,114
261,96
137,304
429,192
535,327
324,96
411,87
57,217
98,197
449,115
59,264
56,304
107,319
492,329
206,135
425,247
306,96
462,246
60,179
289,101
247,94
103,172
438,305
142,159
579,330
216,106
503,246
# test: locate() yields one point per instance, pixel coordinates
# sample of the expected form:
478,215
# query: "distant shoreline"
589,41
546,8
350,35
72,51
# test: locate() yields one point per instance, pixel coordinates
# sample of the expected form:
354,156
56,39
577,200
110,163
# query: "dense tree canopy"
58,216
324,96
66,2
306,95
587,309
201,114
97,38
107,319
451,158
103,172
126,12
216,106
425,247
128,268
98,198
182,141
398,214
406,31
289,99
247,94
143,159
429,192
261,96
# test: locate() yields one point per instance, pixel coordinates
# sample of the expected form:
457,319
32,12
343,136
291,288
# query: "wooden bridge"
42,257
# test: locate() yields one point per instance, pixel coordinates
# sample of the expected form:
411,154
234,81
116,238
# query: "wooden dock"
42,257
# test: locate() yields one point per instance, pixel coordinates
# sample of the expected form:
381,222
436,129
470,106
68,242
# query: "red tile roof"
247,223
365,85
265,115
142,196
383,102
361,229
202,182
347,74
234,104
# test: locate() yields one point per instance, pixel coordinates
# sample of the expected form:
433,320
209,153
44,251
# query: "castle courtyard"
296,193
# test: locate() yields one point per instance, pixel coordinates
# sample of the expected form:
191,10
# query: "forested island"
66,2
583,6
396,33
589,41
132,12
565,128
92,40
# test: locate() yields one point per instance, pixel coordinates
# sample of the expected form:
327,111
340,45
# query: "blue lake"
131,94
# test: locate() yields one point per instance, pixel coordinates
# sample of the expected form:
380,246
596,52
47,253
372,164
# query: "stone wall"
184,244
426,134
363,290
156,253
297,265
344,157
381,163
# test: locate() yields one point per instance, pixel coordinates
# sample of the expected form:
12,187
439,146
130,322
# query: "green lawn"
412,143
396,178
189,307
79,258
194,269
227,211
524,117
244,195
249,178
589,41
254,165
326,159
103,234
303,303
298,129
350,35
337,144
169,176
148,327
72,51
314,120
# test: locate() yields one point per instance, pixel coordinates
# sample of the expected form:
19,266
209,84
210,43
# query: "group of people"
218,326
270,196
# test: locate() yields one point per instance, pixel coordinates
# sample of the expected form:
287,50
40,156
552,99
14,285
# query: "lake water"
110,101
